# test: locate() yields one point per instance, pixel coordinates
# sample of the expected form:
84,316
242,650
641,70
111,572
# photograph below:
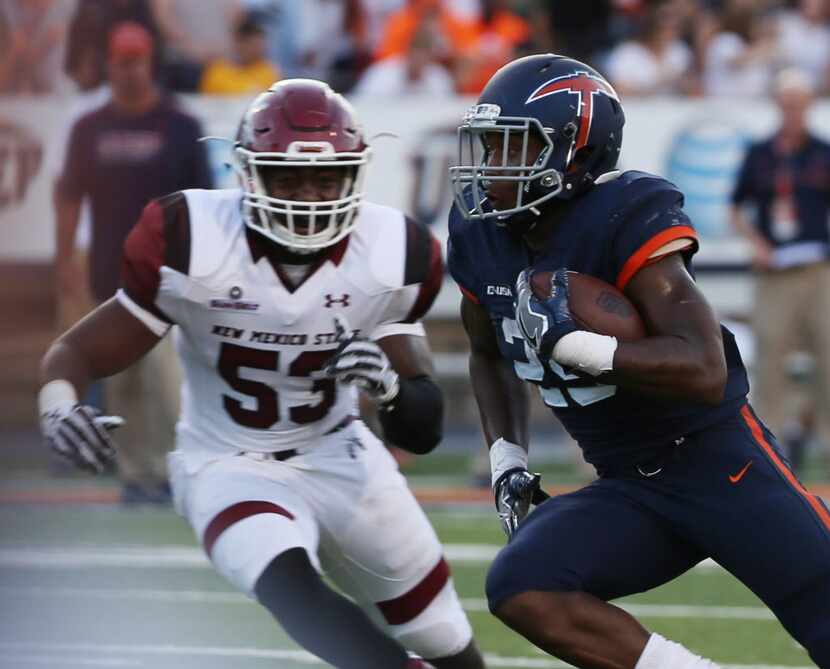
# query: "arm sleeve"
648,223
74,178
414,420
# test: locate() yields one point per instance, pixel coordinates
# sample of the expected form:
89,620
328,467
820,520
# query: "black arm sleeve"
414,420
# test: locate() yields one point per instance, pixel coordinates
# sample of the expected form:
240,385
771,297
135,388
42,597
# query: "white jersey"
251,345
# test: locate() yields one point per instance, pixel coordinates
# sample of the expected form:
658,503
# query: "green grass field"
99,586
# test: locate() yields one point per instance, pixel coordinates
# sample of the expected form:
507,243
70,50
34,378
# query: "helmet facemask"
303,227
537,180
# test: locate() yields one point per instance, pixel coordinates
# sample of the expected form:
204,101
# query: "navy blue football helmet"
556,106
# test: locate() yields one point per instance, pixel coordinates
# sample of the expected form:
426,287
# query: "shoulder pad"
217,222
380,249
642,194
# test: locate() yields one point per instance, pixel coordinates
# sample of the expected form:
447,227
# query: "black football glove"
516,490
543,322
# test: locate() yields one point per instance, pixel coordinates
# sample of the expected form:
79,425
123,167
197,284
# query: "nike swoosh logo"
737,477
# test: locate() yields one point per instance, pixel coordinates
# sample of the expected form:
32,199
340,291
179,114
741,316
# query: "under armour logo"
331,301
352,445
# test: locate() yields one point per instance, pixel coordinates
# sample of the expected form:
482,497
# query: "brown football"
595,305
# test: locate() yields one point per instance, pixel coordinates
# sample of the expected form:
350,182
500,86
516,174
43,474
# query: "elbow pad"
414,419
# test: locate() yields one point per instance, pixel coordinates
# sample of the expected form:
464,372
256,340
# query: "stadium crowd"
393,47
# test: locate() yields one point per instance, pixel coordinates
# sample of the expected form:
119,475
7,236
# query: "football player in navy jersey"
686,470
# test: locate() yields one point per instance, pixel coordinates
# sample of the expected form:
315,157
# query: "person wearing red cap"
136,147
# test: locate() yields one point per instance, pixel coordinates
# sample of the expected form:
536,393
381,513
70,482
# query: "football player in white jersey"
289,294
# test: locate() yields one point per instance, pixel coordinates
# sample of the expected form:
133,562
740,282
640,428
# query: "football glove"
361,362
81,435
516,490
543,322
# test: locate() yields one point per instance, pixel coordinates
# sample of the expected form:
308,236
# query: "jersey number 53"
232,358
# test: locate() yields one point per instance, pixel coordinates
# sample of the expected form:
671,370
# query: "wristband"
57,394
504,456
588,352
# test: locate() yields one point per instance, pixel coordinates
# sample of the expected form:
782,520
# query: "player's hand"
361,362
516,490
543,322
81,435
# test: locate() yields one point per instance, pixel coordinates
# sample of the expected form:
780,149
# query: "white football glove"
362,363
76,432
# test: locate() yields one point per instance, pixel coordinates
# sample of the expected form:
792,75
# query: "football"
595,305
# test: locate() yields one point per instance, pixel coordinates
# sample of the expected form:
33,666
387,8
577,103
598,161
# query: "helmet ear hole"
569,130
581,157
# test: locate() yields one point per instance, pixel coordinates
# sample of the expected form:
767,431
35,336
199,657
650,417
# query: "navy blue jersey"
609,233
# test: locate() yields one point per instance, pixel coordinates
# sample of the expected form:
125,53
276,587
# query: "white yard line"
669,610
21,659
298,656
187,557
471,604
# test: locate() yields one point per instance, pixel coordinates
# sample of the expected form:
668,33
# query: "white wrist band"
504,456
588,352
56,394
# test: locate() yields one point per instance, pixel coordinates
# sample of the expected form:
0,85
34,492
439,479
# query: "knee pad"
243,551
440,630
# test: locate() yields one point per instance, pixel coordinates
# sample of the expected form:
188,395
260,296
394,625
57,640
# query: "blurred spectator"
739,59
786,179
86,48
575,28
249,71
378,13
195,32
499,34
281,20
804,41
137,147
453,35
418,72
34,32
656,63
334,41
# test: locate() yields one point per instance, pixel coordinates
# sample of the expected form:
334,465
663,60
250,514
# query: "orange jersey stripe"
640,257
758,434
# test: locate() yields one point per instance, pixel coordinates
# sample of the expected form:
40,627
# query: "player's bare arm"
500,394
683,355
107,341
681,358
409,355
503,407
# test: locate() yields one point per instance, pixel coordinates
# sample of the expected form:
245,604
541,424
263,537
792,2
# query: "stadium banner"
697,144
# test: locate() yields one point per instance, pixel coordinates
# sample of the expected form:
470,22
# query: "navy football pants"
725,493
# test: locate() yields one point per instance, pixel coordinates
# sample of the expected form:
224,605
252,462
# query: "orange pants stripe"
758,435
